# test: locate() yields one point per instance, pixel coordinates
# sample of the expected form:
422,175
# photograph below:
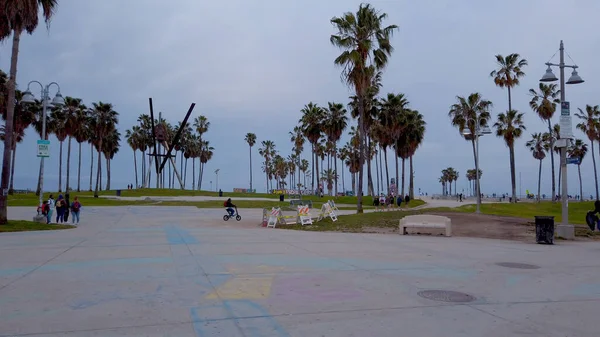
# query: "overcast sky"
250,66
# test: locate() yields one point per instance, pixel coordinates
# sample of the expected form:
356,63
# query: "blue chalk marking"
514,279
178,236
587,290
254,320
87,264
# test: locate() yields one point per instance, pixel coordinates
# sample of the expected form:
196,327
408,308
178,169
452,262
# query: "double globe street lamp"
480,130
57,101
564,230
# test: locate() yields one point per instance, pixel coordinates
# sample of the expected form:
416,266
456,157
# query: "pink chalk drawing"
312,288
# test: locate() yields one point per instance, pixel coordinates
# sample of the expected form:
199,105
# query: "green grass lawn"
528,210
25,226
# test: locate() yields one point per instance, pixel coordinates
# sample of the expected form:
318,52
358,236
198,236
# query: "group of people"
63,208
389,201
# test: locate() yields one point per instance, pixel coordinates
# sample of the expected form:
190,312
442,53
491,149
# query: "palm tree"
304,166
251,140
510,127
335,123
311,123
132,137
206,153
110,148
538,147
466,112
104,121
297,138
267,151
72,105
82,133
60,131
508,73
365,45
414,131
590,126
18,16
543,102
201,125
578,150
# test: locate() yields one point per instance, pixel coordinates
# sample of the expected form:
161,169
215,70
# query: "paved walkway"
181,272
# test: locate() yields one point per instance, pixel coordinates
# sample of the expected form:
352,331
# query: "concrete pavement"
181,271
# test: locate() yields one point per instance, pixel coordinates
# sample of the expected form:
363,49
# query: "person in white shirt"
51,205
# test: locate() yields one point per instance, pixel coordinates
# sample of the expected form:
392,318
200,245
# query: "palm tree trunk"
135,167
193,173
513,173
377,155
595,172
369,174
12,83
353,183
403,178
580,184
317,172
201,176
98,175
108,173
60,167
411,183
559,176
335,168
361,157
539,181
12,168
343,179
92,165
79,169
68,163
397,172
387,174
149,169
312,167
381,169
250,167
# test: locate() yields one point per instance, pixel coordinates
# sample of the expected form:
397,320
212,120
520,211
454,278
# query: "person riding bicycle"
230,206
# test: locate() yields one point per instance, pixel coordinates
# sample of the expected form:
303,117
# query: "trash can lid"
544,217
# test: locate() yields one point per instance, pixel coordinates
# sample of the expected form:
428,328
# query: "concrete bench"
426,221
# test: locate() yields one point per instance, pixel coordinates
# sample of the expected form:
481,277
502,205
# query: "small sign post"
43,148
566,127
573,160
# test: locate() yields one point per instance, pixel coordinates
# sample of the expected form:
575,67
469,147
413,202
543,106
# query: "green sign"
43,148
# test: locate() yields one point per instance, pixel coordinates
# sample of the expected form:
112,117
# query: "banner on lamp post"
566,127
43,148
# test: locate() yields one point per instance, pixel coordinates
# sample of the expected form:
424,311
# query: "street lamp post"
57,101
564,230
217,180
479,131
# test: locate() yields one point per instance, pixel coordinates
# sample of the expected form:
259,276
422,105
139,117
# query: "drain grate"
446,296
517,265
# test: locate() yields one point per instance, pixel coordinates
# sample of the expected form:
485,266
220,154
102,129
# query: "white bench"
426,221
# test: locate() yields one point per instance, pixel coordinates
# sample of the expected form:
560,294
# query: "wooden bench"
426,221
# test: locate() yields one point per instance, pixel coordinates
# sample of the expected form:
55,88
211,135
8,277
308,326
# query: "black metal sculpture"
159,135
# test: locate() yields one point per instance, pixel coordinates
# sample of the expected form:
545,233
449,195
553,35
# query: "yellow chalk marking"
238,288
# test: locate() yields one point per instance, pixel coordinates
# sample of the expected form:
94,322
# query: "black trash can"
544,229
220,193
118,193
281,197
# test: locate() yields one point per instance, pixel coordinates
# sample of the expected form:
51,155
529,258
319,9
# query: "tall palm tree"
578,150
311,123
18,16
132,137
206,154
72,105
297,138
335,123
60,131
365,45
510,69
590,126
104,121
543,103
304,167
110,148
268,152
466,112
414,132
510,126
82,133
251,140
538,147
201,126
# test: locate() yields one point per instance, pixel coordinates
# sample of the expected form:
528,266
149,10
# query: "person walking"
75,209
60,209
50,204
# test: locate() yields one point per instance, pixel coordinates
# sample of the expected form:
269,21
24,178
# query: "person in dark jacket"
230,206
591,218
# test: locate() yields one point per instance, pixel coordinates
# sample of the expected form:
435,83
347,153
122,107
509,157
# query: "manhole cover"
517,265
446,296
